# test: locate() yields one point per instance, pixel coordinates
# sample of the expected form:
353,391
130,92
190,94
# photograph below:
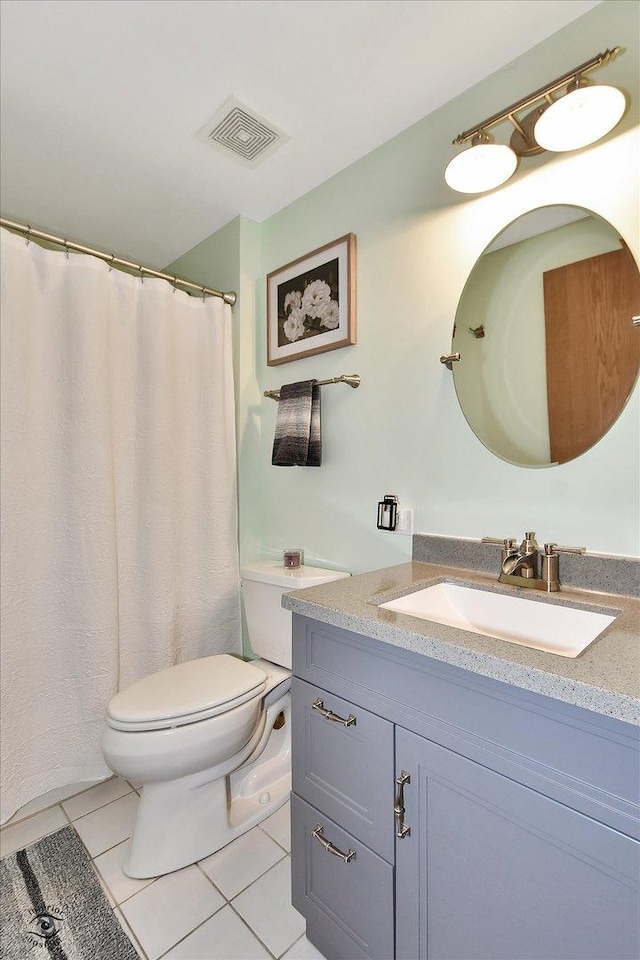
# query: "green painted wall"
230,260
403,432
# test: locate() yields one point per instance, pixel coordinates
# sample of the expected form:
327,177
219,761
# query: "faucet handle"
551,549
551,562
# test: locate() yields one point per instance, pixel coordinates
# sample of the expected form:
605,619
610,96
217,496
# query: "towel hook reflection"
449,359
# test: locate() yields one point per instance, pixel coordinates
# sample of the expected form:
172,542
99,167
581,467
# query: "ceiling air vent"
239,130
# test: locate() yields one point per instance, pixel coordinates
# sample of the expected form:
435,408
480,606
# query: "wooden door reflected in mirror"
555,294
587,309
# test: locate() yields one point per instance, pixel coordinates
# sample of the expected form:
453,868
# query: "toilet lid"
186,692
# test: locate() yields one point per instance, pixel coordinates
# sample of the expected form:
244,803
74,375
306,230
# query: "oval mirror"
549,351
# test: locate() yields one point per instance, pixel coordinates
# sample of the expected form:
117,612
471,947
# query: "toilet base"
184,820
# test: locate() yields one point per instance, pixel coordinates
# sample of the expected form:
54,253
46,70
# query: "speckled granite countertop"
604,678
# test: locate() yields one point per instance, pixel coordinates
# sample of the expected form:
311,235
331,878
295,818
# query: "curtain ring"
27,239
204,294
111,262
66,249
175,284
140,269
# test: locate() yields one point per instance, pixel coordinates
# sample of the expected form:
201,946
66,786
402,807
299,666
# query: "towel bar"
353,379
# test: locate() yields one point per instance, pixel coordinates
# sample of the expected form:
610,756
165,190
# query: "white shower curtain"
119,529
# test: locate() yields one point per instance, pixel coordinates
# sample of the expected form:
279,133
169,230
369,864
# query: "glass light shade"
481,167
579,118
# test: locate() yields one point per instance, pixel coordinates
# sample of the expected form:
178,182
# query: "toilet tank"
268,624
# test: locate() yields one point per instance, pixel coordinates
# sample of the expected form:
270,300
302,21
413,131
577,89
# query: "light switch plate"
405,521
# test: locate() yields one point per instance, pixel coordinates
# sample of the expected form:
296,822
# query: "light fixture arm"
543,93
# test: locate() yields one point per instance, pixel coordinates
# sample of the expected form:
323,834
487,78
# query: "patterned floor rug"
53,906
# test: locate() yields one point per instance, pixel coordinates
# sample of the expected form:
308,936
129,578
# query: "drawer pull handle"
402,829
330,715
329,847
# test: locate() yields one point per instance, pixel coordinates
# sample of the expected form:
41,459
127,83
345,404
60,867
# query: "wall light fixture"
583,114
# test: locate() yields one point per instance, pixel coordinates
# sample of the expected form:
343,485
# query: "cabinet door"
344,771
348,906
495,870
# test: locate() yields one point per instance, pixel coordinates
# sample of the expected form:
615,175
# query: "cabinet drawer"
344,771
348,906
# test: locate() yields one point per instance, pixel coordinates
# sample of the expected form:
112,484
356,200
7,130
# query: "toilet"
209,740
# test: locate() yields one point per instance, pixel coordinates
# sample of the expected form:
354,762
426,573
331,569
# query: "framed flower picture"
311,303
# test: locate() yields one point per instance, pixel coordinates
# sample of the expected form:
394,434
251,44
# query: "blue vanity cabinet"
342,832
346,895
344,764
523,812
493,870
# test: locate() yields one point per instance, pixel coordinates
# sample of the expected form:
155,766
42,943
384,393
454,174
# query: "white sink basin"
551,627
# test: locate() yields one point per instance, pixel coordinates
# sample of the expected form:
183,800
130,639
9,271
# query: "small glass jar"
292,558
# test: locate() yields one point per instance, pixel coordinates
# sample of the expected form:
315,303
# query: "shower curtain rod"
229,298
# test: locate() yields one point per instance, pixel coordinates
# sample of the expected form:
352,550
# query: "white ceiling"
102,101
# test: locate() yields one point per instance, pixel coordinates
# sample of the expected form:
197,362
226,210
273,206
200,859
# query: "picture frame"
311,303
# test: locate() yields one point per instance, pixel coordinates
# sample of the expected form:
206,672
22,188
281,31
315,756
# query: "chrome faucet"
520,566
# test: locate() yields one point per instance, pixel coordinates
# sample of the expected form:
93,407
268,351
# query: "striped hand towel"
298,439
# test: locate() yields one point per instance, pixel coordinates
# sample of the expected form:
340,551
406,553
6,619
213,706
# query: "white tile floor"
233,905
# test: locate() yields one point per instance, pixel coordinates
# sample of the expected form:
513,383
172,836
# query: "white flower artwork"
311,303
314,304
292,299
294,324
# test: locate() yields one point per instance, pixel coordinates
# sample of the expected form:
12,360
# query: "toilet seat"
186,693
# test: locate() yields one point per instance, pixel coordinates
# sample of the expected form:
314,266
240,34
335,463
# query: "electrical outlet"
405,521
